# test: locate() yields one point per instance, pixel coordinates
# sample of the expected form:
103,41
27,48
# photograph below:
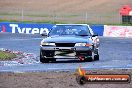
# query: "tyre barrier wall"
38,28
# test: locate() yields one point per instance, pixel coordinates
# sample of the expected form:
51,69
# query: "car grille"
65,44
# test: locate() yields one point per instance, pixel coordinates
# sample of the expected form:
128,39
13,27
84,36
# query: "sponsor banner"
38,28
117,31
28,28
99,29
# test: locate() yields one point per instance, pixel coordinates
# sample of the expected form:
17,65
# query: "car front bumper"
52,51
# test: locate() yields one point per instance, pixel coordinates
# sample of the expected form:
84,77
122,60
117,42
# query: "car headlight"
47,44
80,44
83,44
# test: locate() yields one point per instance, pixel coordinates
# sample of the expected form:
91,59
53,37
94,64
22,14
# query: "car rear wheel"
96,57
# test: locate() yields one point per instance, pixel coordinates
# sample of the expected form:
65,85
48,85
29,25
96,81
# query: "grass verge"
6,55
60,22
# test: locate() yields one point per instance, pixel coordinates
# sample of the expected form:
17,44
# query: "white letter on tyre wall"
13,26
21,30
44,30
28,30
35,30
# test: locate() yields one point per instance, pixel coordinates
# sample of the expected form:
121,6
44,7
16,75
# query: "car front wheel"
42,58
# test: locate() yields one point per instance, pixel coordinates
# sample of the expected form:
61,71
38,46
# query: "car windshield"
78,30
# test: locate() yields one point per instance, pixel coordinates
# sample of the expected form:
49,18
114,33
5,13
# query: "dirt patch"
55,80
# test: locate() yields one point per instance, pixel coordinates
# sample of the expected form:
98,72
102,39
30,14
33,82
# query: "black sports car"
69,40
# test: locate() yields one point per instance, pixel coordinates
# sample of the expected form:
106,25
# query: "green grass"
59,22
6,55
25,21
11,14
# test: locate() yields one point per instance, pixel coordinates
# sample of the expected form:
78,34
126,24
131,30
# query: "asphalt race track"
114,53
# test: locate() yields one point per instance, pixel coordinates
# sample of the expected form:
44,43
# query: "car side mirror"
44,34
94,35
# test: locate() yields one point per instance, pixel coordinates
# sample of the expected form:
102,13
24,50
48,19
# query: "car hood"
68,39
